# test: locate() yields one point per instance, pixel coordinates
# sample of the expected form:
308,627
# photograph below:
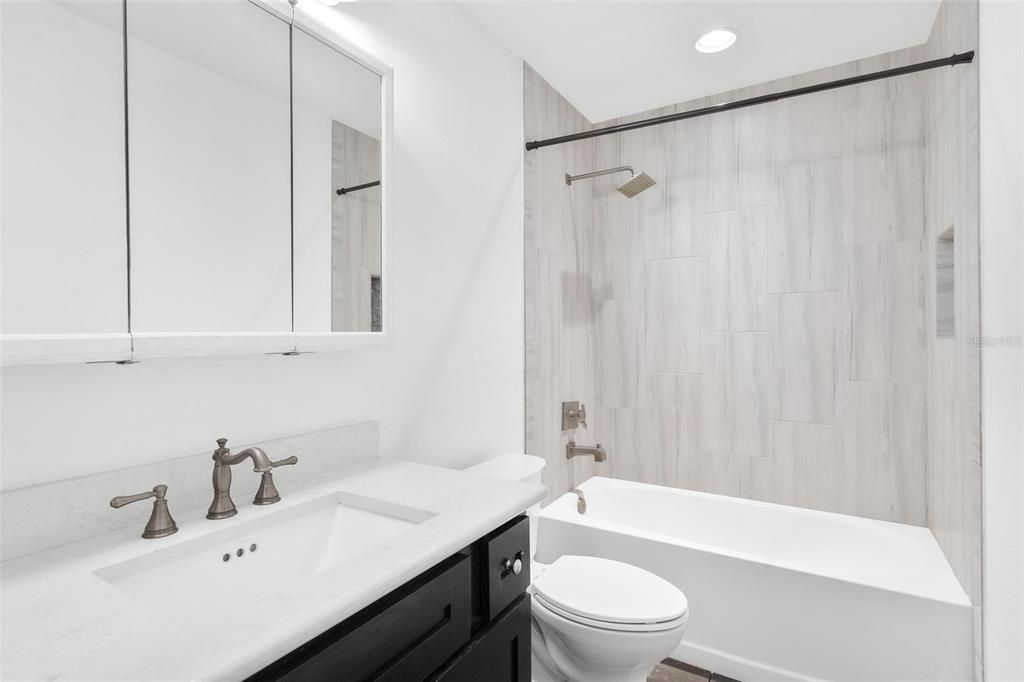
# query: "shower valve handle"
582,415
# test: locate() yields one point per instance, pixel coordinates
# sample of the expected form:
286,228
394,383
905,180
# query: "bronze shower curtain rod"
356,188
953,60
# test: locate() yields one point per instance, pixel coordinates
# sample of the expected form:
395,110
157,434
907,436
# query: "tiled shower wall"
761,323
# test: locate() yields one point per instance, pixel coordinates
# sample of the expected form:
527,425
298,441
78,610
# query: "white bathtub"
776,592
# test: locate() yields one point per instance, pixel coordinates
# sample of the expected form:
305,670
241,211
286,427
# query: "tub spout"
573,450
581,502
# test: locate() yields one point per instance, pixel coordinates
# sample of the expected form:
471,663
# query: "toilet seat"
610,595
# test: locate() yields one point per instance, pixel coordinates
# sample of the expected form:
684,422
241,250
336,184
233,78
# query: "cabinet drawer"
500,551
403,637
499,653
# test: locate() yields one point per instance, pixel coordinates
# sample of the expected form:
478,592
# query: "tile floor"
676,671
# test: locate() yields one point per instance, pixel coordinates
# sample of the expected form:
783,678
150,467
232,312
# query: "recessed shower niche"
945,286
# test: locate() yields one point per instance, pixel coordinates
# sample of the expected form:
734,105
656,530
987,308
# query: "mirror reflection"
337,155
209,198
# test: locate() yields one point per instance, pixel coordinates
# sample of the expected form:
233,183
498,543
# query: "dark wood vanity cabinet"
467,618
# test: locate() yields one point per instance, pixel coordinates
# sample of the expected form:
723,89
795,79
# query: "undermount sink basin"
237,568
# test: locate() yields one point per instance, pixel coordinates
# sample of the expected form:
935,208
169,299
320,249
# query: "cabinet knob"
513,565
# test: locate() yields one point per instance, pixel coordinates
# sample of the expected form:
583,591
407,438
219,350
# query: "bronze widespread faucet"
223,506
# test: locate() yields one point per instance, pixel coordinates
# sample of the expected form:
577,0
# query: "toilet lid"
609,591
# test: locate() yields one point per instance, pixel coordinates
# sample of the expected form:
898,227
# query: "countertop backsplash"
40,517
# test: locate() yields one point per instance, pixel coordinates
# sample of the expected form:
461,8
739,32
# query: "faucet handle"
582,415
160,522
158,492
267,493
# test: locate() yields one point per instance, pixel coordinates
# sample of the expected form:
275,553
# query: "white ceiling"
611,59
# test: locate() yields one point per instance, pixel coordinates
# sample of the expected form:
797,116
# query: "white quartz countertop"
61,621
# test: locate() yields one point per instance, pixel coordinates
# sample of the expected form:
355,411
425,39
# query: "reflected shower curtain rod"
356,188
958,58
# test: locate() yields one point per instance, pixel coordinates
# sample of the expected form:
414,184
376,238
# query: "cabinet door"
209,172
402,637
500,653
64,264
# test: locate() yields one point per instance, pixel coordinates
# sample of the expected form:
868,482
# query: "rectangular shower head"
636,184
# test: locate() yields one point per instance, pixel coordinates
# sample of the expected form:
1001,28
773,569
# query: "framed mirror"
339,142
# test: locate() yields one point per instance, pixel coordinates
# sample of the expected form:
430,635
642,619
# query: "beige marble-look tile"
735,397
887,114
623,434
733,270
578,350
805,128
672,305
754,170
618,347
618,246
678,235
807,465
805,228
727,473
673,423
544,313
885,289
885,449
883,195
717,174
806,355
544,437
735,169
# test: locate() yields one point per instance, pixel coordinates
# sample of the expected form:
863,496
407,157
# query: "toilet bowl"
598,620
594,620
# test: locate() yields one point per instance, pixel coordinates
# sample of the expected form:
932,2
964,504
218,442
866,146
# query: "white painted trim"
307,342
51,349
1001,92
306,22
165,345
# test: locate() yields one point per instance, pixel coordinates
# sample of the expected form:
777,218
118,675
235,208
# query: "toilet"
594,619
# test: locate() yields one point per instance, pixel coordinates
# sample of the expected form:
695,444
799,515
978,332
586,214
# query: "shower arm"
569,179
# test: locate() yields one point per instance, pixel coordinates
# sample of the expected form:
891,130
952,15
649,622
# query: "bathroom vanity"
376,570
466,618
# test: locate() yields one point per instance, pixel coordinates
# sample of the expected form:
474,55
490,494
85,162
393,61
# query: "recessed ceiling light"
715,40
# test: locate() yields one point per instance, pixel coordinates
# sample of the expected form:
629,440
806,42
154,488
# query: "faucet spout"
260,460
573,450
223,506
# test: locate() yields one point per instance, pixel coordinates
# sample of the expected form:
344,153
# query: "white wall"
449,392
1001,56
